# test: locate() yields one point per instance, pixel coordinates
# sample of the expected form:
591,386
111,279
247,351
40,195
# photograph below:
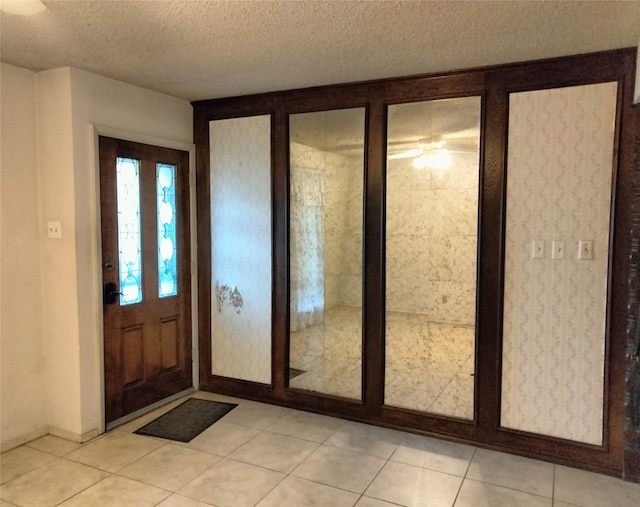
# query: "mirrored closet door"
326,173
433,158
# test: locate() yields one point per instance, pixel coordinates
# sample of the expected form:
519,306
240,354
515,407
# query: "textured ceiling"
210,49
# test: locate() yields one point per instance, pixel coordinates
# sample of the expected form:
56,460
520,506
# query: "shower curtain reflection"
307,245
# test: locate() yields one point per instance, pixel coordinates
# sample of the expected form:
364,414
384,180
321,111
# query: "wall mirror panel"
433,157
326,174
241,248
559,168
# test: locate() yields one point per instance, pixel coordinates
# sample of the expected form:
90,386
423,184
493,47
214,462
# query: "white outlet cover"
54,230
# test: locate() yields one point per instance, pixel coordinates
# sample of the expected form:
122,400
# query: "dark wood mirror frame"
620,453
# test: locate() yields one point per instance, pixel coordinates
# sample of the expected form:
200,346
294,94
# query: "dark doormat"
187,420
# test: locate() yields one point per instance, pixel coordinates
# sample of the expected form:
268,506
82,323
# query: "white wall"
22,364
60,304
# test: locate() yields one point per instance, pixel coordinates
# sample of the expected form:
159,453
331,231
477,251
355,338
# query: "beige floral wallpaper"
241,248
558,194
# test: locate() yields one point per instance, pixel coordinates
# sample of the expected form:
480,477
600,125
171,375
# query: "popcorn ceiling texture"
210,49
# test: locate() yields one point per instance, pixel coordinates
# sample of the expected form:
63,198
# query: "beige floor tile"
51,484
7,504
169,467
54,445
340,468
275,452
414,486
294,492
115,450
594,490
222,438
307,426
480,494
118,491
367,439
366,501
256,415
176,500
434,454
21,460
514,472
232,484
558,503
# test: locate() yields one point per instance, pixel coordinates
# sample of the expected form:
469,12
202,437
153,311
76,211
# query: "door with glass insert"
144,197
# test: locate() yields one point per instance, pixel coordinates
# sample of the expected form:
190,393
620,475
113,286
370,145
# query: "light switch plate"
537,249
557,250
585,249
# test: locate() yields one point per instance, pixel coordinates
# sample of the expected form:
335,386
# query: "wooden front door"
144,198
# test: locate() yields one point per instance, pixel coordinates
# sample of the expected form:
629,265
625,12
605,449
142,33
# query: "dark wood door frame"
493,85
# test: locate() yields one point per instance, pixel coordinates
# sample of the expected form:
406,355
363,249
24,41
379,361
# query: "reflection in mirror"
431,250
325,247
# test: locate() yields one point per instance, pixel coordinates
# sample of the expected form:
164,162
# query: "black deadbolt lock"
110,294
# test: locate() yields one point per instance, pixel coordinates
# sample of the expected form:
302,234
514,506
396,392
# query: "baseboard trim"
74,437
28,437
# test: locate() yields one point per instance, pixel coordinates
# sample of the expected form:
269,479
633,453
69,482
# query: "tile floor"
272,456
429,365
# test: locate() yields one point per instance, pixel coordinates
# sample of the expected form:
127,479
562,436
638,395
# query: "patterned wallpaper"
558,190
241,248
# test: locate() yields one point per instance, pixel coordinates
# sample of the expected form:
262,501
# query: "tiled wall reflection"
431,239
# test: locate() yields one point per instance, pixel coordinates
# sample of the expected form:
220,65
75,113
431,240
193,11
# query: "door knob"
110,293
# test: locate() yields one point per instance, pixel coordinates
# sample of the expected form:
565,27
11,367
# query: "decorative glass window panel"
129,240
166,210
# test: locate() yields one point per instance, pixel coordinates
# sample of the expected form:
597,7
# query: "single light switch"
537,249
585,249
557,250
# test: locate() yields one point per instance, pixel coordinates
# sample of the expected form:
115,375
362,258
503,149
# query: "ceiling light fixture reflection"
430,153
22,7
437,159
